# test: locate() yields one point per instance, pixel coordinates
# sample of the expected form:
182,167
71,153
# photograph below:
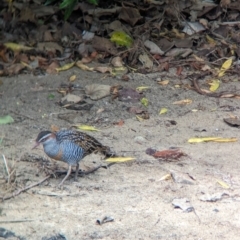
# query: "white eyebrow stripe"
46,136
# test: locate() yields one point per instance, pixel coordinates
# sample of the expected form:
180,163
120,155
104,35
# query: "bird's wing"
88,143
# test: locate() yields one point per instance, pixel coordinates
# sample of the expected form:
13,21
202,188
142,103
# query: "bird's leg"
68,173
76,173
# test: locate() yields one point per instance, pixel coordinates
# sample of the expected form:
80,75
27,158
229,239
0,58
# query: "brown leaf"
27,15
169,154
135,110
54,128
117,62
232,121
97,91
130,15
129,95
14,69
51,69
104,45
103,69
179,70
125,78
120,123
3,51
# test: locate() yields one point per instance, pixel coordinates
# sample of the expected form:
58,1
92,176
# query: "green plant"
68,5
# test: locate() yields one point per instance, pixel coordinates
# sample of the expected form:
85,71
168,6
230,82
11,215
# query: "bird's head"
44,137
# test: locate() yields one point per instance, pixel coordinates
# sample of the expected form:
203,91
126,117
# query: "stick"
5,162
25,189
89,171
17,221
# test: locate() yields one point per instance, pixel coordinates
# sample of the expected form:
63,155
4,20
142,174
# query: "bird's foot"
60,186
75,179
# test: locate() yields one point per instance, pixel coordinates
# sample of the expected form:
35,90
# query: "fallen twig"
6,166
223,94
17,221
25,189
86,172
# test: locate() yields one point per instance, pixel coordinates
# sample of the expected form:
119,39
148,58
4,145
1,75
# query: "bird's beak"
36,145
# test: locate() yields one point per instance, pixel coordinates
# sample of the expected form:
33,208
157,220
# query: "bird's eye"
43,139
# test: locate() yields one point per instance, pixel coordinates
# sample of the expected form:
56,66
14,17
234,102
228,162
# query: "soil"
134,194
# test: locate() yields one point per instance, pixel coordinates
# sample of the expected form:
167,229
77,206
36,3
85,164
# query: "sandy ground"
132,193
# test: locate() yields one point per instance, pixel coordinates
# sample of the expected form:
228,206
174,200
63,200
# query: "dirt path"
131,193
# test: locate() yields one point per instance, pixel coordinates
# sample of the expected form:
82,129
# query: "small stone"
139,139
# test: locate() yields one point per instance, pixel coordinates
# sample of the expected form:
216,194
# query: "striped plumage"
70,146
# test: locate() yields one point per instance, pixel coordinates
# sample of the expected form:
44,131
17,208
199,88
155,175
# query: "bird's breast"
54,151
66,151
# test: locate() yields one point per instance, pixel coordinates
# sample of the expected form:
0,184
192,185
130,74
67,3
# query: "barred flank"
88,143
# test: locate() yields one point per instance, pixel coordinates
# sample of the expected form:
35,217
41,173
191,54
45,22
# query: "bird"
70,146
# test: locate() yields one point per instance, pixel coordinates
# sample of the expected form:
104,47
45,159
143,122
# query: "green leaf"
51,96
121,39
93,2
49,2
67,14
66,3
6,119
144,102
68,8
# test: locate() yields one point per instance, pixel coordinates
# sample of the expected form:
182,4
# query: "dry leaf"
226,140
119,159
86,128
17,47
51,69
163,83
154,48
214,85
129,95
223,184
120,123
140,119
211,139
72,78
183,102
97,91
117,62
70,99
100,110
83,66
145,60
198,58
226,65
119,71
103,69
163,110
169,154
165,177
54,128
142,88
210,40
179,70
65,67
